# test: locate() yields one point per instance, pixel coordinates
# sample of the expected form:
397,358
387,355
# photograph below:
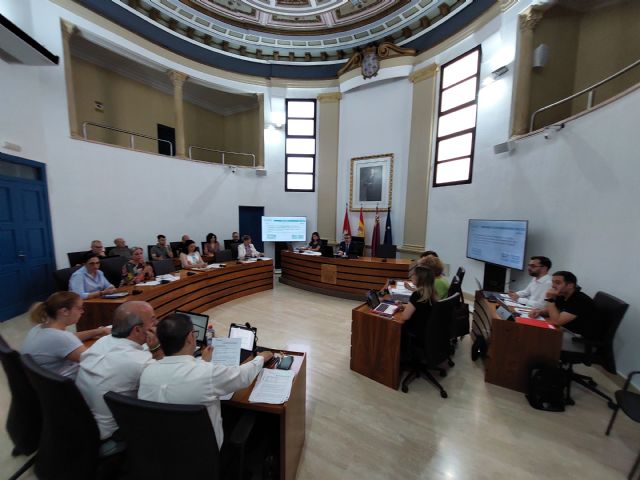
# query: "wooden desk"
196,293
514,347
340,277
375,346
288,421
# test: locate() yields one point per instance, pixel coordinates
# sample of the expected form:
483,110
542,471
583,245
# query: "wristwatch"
550,300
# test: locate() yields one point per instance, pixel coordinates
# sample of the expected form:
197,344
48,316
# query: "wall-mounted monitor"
500,242
284,229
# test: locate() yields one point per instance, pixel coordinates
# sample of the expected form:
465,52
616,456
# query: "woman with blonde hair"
417,311
136,270
441,284
49,343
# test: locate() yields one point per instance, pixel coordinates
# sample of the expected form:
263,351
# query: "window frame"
472,130
313,137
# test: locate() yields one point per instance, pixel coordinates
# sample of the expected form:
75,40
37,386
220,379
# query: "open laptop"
200,323
381,308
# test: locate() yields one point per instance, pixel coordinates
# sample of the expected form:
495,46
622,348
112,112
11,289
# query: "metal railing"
222,153
132,135
588,90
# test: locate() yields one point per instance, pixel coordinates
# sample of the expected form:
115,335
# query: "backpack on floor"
546,388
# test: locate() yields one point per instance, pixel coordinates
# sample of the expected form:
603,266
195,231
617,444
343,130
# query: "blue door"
250,222
26,246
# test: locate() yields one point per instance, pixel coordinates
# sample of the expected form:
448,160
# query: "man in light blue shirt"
89,281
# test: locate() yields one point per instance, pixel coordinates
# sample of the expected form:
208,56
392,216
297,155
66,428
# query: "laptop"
381,308
326,251
200,324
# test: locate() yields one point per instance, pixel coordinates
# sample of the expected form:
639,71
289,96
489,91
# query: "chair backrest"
112,268
438,328
24,420
162,267
387,251
70,439
358,247
176,248
76,258
187,446
61,277
234,251
611,311
149,247
323,243
107,250
202,244
460,274
224,256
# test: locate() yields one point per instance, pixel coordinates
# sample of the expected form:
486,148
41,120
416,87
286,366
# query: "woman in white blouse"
190,257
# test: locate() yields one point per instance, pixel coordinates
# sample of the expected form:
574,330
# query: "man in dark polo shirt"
568,307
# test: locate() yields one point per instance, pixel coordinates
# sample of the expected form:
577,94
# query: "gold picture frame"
371,183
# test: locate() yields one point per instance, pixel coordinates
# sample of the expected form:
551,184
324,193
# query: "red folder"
534,323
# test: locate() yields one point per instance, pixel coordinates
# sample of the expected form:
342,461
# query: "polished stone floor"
359,429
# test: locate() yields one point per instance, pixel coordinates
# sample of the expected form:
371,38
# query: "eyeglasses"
532,265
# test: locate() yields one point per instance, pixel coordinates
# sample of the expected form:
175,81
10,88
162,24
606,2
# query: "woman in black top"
315,243
416,313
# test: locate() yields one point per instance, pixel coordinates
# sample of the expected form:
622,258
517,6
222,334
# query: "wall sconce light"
495,75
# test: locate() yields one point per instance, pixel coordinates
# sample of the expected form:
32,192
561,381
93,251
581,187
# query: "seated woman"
49,343
441,283
212,246
190,257
136,270
247,250
315,244
89,281
417,311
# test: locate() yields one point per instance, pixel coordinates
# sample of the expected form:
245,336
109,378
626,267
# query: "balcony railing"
132,135
222,153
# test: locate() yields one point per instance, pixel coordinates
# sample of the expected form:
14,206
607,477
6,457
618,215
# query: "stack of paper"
273,386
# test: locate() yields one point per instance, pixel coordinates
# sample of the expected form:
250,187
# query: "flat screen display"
501,242
284,229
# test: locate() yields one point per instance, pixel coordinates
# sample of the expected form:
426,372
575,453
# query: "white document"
266,258
150,283
168,276
313,254
273,386
226,351
215,265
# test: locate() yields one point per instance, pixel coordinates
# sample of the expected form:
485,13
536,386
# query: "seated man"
247,250
115,362
121,249
235,237
89,281
161,251
181,378
98,249
567,306
534,294
347,247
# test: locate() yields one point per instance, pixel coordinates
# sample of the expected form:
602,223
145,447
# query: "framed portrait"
371,182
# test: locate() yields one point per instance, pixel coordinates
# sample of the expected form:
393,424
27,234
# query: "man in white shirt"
182,379
116,361
246,249
534,294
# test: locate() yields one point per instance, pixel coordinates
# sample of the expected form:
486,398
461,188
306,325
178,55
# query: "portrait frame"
371,183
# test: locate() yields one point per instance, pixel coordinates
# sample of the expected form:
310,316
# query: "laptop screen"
200,323
373,300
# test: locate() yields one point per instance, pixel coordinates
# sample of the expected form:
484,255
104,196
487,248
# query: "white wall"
102,192
375,120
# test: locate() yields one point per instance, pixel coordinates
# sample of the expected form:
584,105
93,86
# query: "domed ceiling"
278,37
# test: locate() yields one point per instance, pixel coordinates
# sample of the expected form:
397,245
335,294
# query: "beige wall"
137,107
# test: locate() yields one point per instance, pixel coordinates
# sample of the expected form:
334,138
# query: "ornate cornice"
507,4
424,73
177,78
329,97
530,18
383,51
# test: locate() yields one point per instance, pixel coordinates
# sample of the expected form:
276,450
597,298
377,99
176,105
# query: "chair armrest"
242,430
628,382
235,446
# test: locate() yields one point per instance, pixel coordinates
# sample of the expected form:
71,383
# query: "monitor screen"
200,324
284,229
501,242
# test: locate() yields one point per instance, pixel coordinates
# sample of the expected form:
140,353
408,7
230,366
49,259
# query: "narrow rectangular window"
300,146
457,117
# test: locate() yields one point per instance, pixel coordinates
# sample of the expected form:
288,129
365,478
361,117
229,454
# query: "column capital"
507,4
177,78
530,18
424,73
68,28
334,97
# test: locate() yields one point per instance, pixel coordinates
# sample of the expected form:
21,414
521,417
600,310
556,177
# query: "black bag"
546,388
460,320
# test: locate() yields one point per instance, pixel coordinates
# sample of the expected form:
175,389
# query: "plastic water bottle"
210,334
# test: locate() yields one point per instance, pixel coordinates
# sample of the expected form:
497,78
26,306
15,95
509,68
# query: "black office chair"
192,440
61,278
24,421
460,319
387,251
359,248
598,351
629,402
70,446
457,280
149,247
112,269
234,251
107,250
224,256
163,267
76,258
176,248
430,351
323,243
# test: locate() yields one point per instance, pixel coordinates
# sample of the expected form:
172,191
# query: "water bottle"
210,334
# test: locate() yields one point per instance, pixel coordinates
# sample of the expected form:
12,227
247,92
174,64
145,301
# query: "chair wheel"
444,394
405,389
443,373
569,401
612,405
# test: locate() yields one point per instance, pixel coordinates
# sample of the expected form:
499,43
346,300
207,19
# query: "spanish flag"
361,225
